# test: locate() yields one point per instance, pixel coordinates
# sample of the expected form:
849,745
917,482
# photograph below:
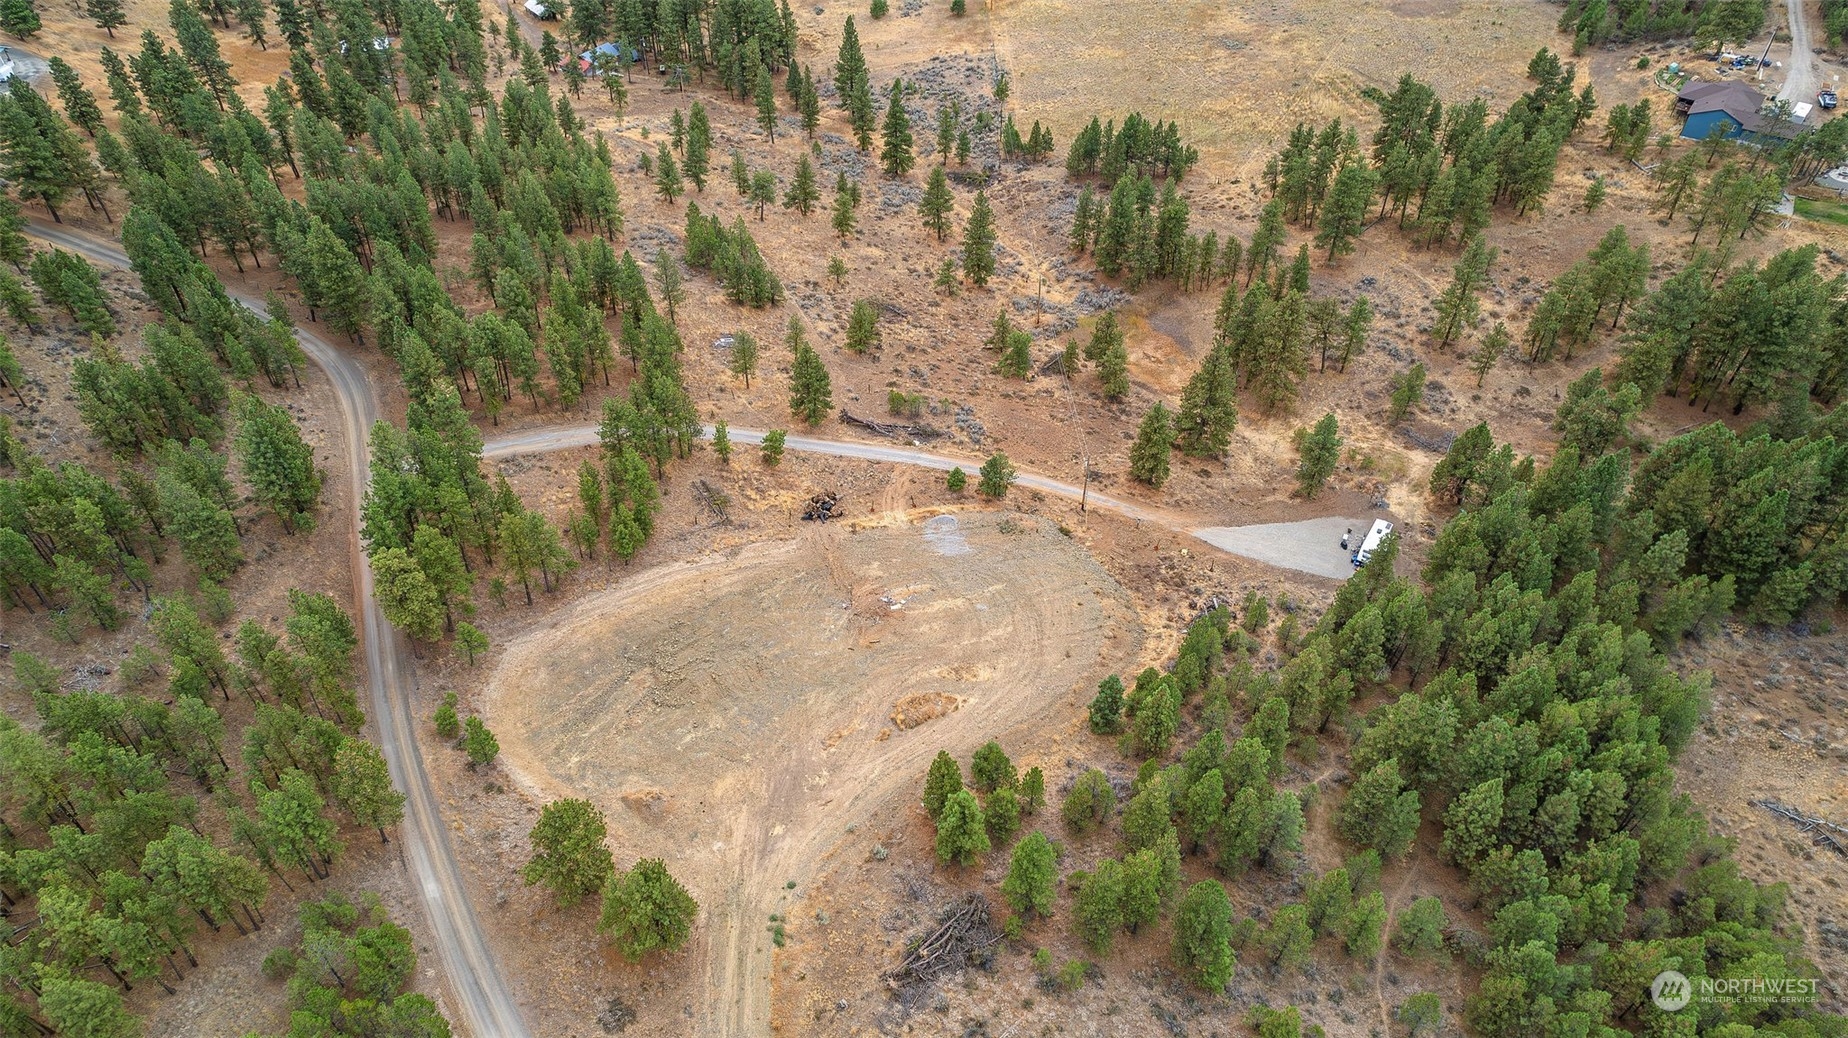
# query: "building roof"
1740,102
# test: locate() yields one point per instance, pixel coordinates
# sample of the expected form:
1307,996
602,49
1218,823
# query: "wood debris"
1822,831
965,937
896,430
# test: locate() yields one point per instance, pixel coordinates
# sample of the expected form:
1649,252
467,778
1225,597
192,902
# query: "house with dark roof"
1735,107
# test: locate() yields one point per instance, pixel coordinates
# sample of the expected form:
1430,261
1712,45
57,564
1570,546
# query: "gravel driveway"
1311,546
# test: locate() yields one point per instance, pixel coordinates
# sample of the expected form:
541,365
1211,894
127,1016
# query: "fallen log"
895,430
1822,832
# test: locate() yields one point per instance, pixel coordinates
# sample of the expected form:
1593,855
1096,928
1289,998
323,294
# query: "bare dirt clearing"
733,716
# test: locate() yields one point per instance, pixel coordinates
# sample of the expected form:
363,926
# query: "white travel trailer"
1367,547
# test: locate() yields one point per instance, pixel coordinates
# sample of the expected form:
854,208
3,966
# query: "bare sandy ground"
732,716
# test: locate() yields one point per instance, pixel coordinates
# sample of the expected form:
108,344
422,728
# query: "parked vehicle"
1367,547
1825,98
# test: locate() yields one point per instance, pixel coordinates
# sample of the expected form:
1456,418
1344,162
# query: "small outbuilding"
539,10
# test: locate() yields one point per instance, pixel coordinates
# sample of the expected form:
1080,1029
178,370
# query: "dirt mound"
919,707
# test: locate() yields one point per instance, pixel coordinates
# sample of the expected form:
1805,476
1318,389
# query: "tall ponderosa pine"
897,154
937,204
277,463
803,191
978,249
1459,303
863,326
1148,457
1209,408
1320,451
811,395
849,63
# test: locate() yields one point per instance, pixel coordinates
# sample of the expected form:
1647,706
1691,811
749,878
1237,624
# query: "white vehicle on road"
1367,547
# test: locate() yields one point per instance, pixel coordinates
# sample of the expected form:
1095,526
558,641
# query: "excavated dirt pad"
732,716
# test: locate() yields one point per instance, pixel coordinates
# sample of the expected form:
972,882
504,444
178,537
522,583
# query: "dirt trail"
487,1006
1278,549
732,715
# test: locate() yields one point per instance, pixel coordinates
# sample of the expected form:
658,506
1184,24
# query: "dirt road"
487,1007
1800,82
1303,551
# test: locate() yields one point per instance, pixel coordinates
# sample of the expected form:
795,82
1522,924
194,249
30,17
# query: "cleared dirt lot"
733,716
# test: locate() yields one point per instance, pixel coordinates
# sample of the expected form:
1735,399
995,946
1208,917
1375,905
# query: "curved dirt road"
488,1009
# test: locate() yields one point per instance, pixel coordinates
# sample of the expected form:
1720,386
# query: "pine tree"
667,175
39,154
1106,709
1420,928
407,597
803,192
1320,451
863,327
1364,926
1113,371
1261,256
773,447
19,18
937,204
696,158
943,781
1459,303
1016,354
1209,408
844,218
744,357
276,462
1345,214
850,62
996,476
1380,812
1493,347
990,769
107,14
362,784
479,743
978,249
470,641
1097,909
811,396
569,855
646,909
1031,875
766,104
1203,936
79,104
1148,458
763,191
1407,390
897,155
962,835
